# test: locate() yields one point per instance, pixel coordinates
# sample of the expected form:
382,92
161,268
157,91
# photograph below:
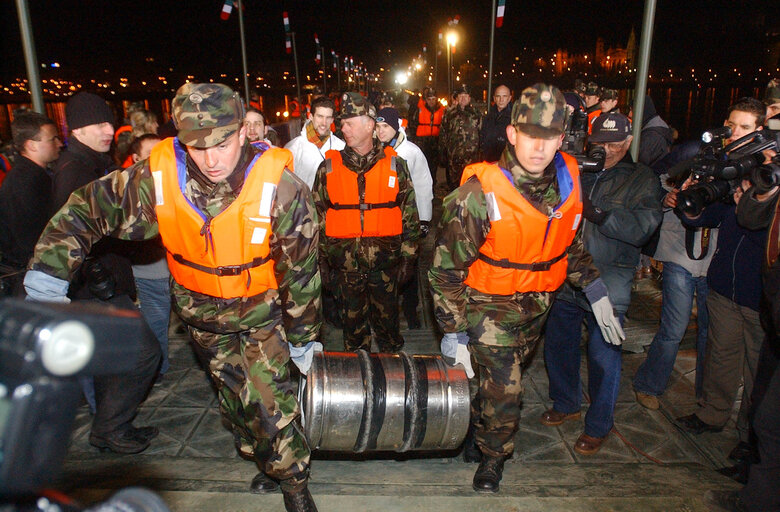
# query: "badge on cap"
196,98
545,96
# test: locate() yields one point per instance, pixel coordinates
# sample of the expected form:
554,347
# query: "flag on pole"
318,56
335,59
287,38
316,39
227,8
500,13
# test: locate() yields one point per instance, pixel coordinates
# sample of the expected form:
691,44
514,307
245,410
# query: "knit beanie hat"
85,109
390,116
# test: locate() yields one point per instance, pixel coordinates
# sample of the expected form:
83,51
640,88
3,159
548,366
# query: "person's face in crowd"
608,105
591,100
385,132
615,151
502,96
358,132
218,162
431,101
255,126
45,147
152,126
741,123
533,153
97,137
772,110
322,119
463,99
145,150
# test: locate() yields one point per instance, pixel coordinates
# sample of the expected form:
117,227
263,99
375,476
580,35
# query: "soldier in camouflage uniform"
501,254
459,139
367,244
245,341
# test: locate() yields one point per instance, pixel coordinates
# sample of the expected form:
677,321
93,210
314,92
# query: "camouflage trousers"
455,165
369,301
256,396
502,336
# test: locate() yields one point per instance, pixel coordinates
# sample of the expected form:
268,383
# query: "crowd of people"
253,246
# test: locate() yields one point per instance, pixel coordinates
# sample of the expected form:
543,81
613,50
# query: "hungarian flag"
287,38
500,13
335,59
318,57
227,8
286,20
287,43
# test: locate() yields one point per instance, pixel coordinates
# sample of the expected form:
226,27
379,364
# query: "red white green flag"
227,8
500,13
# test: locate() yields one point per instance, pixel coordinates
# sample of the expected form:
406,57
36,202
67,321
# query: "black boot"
299,500
125,442
488,474
262,484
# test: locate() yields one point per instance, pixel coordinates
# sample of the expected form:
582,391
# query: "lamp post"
452,39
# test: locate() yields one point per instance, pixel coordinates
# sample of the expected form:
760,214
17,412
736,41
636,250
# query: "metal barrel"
357,402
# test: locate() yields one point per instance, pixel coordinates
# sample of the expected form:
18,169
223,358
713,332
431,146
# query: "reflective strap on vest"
226,270
539,266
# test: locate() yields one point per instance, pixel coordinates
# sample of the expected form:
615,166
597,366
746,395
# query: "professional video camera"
576,133
720,169
43,349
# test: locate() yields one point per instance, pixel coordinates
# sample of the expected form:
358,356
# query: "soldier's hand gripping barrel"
356,401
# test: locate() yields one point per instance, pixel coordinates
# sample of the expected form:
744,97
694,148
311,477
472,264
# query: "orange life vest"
525,250
229,256
591,118
378,214
429,123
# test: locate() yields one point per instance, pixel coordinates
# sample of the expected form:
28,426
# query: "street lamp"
452,39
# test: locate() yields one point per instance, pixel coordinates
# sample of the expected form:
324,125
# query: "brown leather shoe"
553,418
647,401
588,445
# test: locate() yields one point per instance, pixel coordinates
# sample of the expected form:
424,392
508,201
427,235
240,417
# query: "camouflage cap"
592,89
353,104
540,112
462,89
206,114
430,92
608,94
772,94
580,86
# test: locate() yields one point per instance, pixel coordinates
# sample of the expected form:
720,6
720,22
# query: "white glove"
303,356
42,287
602,310
454,350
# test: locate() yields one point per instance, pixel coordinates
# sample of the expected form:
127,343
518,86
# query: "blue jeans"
677,291
155,298
562,355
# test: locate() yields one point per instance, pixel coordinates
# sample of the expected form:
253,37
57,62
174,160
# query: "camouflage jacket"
463,230
369,253
122,205
459,134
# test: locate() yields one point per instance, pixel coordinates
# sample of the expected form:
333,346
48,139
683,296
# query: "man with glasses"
622,208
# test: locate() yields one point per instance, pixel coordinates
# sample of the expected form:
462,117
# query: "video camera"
720,169
43,349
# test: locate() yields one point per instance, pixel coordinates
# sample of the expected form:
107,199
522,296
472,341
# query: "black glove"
425,226
593,213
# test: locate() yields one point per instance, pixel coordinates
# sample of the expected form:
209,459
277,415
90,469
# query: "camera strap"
690,240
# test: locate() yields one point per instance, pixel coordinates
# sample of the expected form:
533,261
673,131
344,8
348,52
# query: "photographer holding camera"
734,335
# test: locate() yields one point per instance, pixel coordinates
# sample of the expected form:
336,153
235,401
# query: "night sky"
188,34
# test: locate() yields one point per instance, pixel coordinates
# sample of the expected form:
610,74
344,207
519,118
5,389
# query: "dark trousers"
117,397
410,298
762,492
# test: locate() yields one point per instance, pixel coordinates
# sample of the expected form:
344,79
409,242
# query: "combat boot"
488,474
262,484
299,500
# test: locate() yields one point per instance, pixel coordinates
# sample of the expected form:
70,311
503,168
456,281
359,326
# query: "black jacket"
25,206
492,136
77,166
